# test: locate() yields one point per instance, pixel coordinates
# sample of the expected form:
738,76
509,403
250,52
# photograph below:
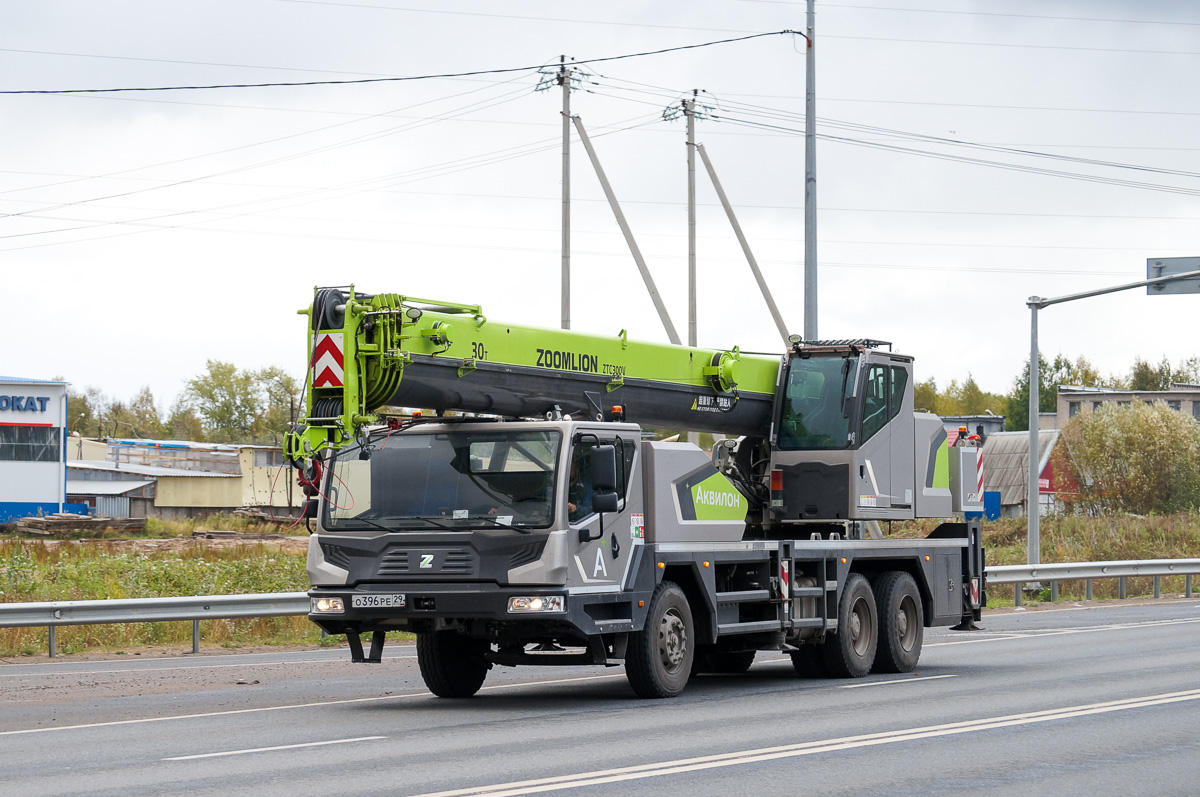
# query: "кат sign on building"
33,472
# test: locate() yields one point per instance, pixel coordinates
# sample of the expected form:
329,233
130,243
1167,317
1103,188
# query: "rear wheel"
850,651
452,665
901,622
659,659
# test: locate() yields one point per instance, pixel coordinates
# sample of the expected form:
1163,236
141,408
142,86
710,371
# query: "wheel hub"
672,640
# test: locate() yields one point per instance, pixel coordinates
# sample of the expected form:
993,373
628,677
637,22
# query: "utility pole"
564,80
689,110
810,182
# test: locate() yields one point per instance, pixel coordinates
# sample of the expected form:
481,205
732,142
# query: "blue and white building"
33,468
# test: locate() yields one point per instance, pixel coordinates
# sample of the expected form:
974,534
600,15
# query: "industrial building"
33,472
178,479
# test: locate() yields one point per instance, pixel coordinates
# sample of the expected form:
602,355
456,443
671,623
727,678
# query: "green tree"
925,397
184,424
280,393
226,400
146,417
1016,405
1139,458
1144,376
974,400
84,409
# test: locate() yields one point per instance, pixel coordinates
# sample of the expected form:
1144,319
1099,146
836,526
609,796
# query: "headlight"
327,606
537,603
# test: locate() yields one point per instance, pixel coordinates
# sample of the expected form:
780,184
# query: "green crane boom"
367,351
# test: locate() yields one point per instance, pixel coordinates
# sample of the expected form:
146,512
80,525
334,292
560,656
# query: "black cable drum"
325,312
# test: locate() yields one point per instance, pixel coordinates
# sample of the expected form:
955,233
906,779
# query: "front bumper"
480,609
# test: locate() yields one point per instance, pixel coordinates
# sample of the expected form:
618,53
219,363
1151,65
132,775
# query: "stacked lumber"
219,534
66,523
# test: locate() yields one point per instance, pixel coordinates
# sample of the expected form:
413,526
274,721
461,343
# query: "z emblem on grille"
426,561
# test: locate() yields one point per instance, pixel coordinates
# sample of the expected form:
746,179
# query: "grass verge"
93,570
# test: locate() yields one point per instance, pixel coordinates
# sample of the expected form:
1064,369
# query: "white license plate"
376,601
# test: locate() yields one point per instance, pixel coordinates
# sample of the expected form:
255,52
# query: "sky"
970,155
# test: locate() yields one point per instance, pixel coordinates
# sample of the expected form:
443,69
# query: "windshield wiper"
370,522
400,518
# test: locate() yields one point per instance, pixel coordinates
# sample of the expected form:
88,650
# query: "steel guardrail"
153,610
1054,572
296,604
1066,571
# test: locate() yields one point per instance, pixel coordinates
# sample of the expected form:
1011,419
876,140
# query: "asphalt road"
1083,701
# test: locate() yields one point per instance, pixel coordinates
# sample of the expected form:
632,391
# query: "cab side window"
882,398
875,400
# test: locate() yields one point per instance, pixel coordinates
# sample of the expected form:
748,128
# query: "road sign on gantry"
1168,266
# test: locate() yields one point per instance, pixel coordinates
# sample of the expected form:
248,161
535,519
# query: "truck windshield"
815,414
472,479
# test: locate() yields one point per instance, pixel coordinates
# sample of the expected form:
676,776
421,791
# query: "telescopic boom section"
370,351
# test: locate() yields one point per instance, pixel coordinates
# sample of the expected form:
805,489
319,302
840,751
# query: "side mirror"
310,509
605,502
604,470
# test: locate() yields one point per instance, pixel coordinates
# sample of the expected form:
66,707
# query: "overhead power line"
408,78
828,6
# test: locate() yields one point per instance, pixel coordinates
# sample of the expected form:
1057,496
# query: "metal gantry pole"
564,80
810,182
689,110
1036,303
1034,549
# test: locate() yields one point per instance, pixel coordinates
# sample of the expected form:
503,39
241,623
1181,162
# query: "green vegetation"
222,405
1076,538
1142,376
62,571
1140,458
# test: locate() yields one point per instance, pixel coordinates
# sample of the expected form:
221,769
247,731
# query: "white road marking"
335,654
1034,633
894,681
152,668
277,747
809,748
302,705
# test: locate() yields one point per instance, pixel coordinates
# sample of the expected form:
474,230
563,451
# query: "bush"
1139,458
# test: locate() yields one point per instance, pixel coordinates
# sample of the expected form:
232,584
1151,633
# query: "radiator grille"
397,561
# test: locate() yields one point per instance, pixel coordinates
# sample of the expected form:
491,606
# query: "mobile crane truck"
529,520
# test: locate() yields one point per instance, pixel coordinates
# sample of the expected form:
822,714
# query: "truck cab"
848,442
481,524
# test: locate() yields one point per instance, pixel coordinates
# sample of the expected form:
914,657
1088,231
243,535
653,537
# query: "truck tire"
659,659
808,662
452,665
723,662
850,651
901,622
731,663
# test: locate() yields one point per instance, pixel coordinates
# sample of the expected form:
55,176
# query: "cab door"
602,544
874,460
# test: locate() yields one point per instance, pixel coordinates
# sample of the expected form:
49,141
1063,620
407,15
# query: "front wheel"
452,665
659,659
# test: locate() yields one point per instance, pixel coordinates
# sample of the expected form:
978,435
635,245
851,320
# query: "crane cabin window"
815,413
